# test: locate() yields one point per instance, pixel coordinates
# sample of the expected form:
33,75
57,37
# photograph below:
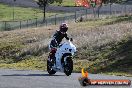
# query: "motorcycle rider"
56,40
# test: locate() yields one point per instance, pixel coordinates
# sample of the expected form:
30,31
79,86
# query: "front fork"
59,63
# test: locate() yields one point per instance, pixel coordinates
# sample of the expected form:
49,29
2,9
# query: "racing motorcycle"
63,59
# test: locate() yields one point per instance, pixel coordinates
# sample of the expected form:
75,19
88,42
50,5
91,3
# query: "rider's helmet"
63,28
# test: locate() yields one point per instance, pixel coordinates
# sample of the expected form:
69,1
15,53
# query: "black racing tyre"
84,82
49,68
68,66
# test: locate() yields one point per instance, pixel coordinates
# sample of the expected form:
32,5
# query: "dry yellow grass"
37,38
86,36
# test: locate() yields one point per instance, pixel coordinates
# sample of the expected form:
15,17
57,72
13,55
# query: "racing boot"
52,56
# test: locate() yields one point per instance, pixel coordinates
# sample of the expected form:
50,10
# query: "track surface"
40,79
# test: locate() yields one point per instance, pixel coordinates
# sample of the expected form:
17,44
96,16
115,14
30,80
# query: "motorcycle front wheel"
68,66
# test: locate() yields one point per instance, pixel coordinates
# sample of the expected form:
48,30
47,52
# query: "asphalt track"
40,79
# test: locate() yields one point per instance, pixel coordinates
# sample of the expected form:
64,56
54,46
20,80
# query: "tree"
96,5
44,3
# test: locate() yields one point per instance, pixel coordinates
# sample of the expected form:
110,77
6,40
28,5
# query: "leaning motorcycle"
63,59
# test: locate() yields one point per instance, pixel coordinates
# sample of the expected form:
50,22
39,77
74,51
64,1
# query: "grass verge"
67,3
31,63
6,13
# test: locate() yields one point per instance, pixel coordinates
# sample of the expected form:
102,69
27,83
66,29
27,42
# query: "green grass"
66,3
6,13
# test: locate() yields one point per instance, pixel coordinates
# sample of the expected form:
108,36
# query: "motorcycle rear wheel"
49,68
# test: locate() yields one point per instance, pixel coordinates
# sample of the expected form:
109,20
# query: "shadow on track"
32,75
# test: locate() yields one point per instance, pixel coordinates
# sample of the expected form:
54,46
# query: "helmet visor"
64,29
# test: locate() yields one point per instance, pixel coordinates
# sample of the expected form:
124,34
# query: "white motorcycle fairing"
65,50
